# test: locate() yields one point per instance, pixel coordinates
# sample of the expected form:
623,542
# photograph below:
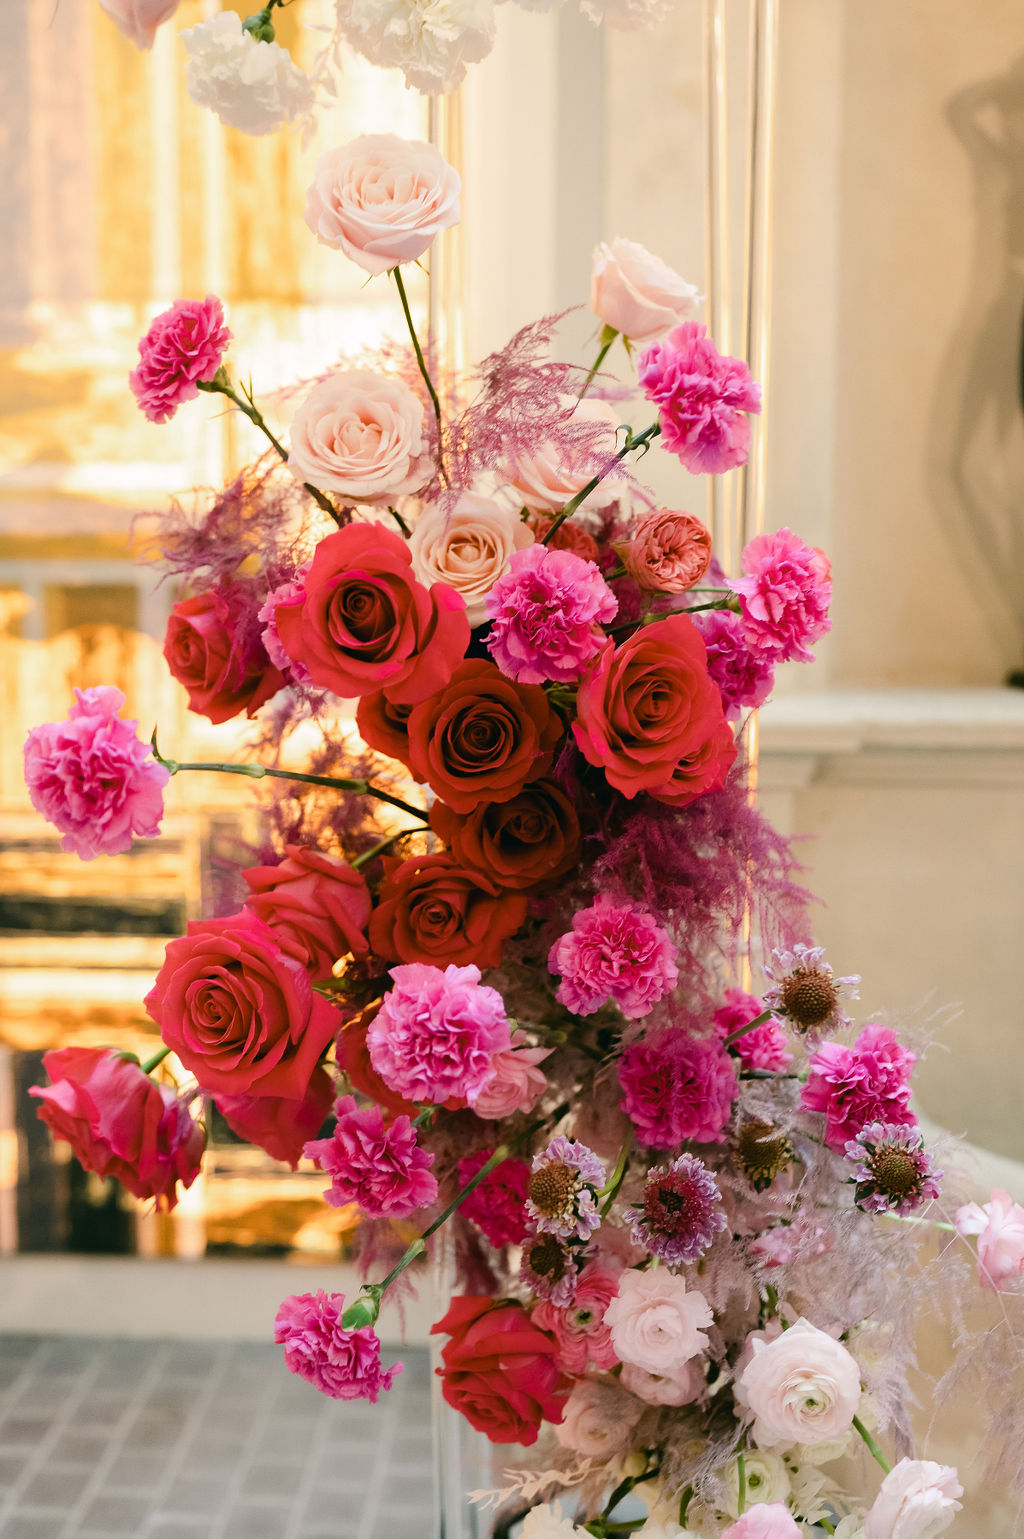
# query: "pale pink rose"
918,1499
382,199
803,1387
635,292
139,19
656,1323
764,1522
360,434
999,1225
516,1084
598,1419
545,478
467,547
680,1388
669,552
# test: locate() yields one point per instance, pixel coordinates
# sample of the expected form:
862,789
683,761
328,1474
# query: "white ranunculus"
918,1499
430,41
767,1480
803,1387
546,1522
252,86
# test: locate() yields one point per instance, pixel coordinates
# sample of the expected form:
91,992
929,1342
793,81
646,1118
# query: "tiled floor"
195,1440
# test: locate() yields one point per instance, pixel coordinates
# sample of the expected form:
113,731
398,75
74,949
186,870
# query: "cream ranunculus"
546,1522
680,1388
656,1323
139,19
635,292
918,1499
467,547
803,1387
252,86
546,477
360,434
767,1480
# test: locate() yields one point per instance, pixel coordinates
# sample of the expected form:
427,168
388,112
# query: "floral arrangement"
494,967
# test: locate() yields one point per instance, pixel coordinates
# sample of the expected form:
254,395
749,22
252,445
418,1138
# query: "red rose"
205,652
353,1058
649,715
383,725
499,1369
279,1124
432,910
119,1123
367,624
482,737
316,905
516,844
239,1012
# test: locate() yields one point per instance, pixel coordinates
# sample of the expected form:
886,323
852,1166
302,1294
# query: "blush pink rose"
138,20
467,547
184,345
598,1419
635,292
669,552
361,434
279,1124
764,1522
381,199
545,477
918,1499
803,1387
316,905
656,1322
999,1225
516,1084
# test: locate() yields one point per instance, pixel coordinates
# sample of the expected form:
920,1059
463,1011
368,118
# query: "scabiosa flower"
579,1328
806,991
549,1268
563,1189
344,1364
703,398
765,1048
184,345
614,952
291,592
892,1168
680,1214
784,595
676,1088
382,1168
852,1086
546,614
498,1205
744,674
763,1152
435,1036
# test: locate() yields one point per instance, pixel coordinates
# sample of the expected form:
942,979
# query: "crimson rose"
316,905
280,1124
383,725
432,910
516,844
222,672
499,1369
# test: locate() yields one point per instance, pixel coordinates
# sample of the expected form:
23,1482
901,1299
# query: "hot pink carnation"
614,952
92,779
852,1086
435,1036
547,612
579,1327
744,674
381,1167
676,1088
764,1522
498,1205
340,1363
766,1047
703,399
785,596
185,344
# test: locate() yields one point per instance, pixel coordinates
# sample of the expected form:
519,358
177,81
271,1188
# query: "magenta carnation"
184,345
338,1362
547,612
852,1086
680,1213
498,1205
744,675
382,1168
784,596
614,952
292,592
676,1088
766,1048
703,399
93,779
435,1036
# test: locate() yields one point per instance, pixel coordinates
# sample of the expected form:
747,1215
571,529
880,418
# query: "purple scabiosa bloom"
614,952
892,1169
680,1214
435,1036
562,1194
549,1268
784,596
546,614
382,1168
344,1364
806,991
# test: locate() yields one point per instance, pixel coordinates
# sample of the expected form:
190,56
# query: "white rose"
803,1387
767,1480
918,1500
655,1323
467,548
546,477
598,1419
252,86
635,292
360,434
431,41
546,1522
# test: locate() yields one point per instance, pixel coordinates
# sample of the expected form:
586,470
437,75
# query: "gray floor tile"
31,1526
116,1515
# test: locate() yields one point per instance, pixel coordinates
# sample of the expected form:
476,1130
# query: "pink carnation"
292,592
764,1522
703,399
579,1327
852,1086
784,596
435,1036
344,1364
516,1084
677,1088
498,1205
744,675
382,1168
184,345
999,1225
547,612
766,1047
614,952
93,779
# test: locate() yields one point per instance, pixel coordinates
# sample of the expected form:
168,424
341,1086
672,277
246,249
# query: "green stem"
396,273
726,603
618,1175
608,336
741,1471
633,441
258,771
248,408
932,1223
872,1447
378,849
741,1031
826,1525
157,1058
400,521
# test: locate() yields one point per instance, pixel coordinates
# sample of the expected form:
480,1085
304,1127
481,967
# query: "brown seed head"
895,1171
552,1189
546,1257
763,1152
808,997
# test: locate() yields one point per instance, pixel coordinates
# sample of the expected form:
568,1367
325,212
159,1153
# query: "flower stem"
221,385
932,1223
400,521
608,336
741,1031
396,273
633,441
378,849
618,1175
872,1447
157,1058
741,1472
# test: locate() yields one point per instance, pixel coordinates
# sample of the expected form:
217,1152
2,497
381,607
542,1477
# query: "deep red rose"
533,838
279,1124
239,1012
649,715
316,905
119,1122
222,673
482,737
367,624
353,1057
499,1369
383,725
433,910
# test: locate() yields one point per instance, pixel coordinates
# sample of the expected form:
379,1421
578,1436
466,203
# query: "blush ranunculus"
432,910
651,718
138,20
361,434
533,838
918,1499
580,1328
119,1122
316,905
223,671
482,737
240,1013
367,624
467,547
280,1124
498,1369
704,399
381,199
682,1387
669,552
657,1322
635,292
999,1225
803,1387
599,1418
771,1520
184,345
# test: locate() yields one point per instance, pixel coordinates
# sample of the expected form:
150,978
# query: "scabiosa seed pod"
892,1169
562,1194
806,991
549,1268
680,1214
763,1152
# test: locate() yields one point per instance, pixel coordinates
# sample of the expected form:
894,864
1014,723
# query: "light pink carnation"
516,1084
764,1522
784,595
703,399
344,1364
382,1168
580,1328
676,1088
852,1086
435,1036
766,1047
918,1499
547,612
744,675
498,1205
656,1322
999,1225
292,592
614,952
185,344
93,779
